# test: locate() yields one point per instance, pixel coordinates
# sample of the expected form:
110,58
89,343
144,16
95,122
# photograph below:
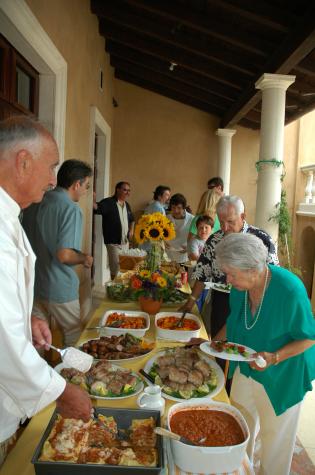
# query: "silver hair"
241,251
20,129
231,200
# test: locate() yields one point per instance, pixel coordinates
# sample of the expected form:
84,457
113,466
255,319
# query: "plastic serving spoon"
75,358
172,435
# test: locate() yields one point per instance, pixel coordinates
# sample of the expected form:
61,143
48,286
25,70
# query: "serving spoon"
172,435
180,322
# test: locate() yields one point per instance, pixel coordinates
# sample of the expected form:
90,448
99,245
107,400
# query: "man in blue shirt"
54,228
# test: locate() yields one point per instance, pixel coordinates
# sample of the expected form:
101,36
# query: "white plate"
210,361
132,358
206,348
138,388
138,332
176,335
220,287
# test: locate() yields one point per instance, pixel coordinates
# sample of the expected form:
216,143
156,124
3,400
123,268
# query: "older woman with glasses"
270,313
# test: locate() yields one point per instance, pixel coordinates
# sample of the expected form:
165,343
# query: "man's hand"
88,261
74,403
41,333
187,306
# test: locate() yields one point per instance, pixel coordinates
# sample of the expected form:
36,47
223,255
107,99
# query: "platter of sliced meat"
185,373
117,348
104,380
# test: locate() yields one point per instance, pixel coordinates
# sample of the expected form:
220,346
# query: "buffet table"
19,459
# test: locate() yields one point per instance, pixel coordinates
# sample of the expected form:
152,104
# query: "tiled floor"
306,436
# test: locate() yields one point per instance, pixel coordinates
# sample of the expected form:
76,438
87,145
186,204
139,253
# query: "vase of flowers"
151,288
153,230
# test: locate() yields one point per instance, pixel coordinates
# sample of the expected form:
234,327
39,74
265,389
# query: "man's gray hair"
20,129
241,251
226,201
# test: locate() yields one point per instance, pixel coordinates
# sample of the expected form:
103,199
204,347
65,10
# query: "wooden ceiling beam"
210,49
258,12
167,92
173,54
297,46
179,73
170,83
204,23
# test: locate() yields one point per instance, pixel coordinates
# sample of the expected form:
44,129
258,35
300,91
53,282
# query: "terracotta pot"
148,305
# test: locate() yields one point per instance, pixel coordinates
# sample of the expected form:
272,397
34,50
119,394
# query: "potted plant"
151,288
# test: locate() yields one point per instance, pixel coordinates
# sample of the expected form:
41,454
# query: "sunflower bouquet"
154,229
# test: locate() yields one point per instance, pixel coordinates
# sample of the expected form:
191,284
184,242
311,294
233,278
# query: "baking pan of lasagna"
116,441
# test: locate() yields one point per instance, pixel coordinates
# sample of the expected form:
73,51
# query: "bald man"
28,159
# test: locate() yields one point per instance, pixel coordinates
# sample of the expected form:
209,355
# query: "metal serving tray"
123,417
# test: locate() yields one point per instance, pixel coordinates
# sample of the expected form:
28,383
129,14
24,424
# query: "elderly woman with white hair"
271,313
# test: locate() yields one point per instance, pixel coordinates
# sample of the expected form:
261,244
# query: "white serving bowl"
190,458
180,335
108,331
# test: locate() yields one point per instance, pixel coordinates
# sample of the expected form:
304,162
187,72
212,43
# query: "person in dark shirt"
117,223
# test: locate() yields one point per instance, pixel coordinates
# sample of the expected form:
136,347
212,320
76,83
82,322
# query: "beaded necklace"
249,327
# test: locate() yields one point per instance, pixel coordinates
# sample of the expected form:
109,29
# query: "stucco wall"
160,141
74,31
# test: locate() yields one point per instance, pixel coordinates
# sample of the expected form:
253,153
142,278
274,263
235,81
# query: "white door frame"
99,126
22,29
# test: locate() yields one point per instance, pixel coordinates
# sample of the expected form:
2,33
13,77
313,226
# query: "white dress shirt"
27,382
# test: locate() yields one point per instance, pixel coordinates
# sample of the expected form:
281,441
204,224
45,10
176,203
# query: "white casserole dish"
179,335
196,459
109,331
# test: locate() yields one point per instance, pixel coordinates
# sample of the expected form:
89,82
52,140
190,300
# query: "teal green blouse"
285,316
193,227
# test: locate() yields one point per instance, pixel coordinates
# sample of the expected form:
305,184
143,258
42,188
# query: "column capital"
277,81
225,132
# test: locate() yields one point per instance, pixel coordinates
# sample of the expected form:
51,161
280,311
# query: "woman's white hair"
241,251
232,200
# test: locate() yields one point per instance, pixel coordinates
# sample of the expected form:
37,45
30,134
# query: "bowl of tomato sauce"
166,326
219,431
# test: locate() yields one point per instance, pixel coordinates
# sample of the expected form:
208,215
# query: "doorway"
100,141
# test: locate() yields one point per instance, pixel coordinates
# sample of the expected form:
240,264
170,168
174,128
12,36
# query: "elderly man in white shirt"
28,158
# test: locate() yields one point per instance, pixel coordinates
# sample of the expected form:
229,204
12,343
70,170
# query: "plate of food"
185,373
226,288
104,380
227,350
117,348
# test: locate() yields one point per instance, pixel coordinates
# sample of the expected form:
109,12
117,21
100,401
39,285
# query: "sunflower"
140,235
154,233
168,231
145,274
161,282
144,220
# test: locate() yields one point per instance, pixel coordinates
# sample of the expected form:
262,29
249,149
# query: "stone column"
224,165
270,163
